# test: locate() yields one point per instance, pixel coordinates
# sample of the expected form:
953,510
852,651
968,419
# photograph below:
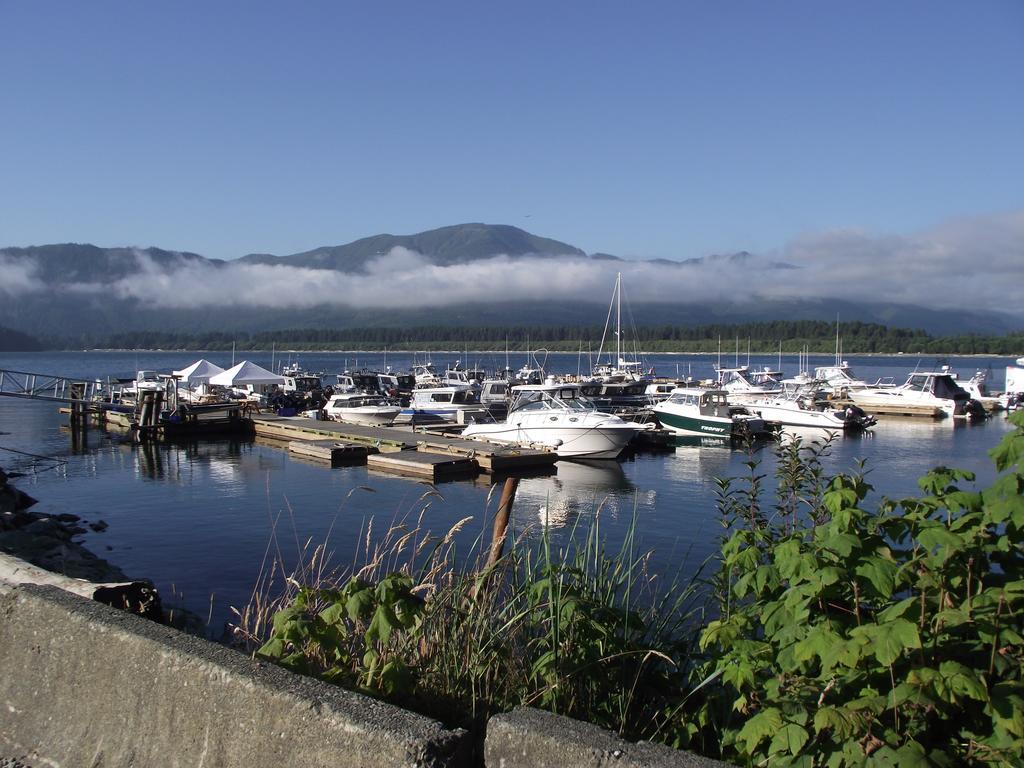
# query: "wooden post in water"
79,417
501,518
77,405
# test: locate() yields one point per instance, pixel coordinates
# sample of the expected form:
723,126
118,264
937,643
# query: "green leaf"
790,740
890,640
842,543
817,642
880,572
1007,707
758,728
333,613
912,755
273,649
963,681
937,535
898,610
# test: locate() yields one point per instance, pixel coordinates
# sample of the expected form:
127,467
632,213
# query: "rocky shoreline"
48,541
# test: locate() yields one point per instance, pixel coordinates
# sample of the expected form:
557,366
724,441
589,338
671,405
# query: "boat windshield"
567,398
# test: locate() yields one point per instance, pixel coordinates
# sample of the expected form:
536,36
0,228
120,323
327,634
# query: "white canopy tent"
200,372
246,373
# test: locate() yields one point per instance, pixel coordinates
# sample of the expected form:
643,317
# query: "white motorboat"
745,386
361,408
556,416
454,403
1015,384
977,388
707,412
799,407
426,375
839,379
935,389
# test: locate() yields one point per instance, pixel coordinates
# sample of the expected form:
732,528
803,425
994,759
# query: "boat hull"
709,426
595,442
376,417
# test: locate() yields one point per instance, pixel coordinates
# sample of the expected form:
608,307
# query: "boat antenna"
232,353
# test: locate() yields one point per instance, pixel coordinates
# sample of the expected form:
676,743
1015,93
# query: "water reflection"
578,489
700,459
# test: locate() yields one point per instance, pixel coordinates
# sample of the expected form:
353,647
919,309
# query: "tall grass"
570,626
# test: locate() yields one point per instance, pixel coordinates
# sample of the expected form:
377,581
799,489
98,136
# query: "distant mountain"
458,244
16,341
68,297
74,263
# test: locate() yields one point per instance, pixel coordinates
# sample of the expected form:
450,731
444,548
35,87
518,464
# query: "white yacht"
361,408
936,389
694,411
556,416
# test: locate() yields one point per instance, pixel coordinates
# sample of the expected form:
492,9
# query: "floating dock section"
396,450
332,452
895,409
431,466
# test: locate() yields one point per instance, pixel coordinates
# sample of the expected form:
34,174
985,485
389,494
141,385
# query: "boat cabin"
707,401
941,385
301,383
432,396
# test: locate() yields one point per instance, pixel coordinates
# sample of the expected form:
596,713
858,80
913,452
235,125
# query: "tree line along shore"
762,338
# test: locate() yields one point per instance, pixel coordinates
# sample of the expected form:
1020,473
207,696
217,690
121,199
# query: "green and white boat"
694,411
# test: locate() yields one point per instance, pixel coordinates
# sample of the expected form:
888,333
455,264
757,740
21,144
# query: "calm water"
199,520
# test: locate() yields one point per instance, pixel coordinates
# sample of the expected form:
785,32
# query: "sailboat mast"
618,319
837,339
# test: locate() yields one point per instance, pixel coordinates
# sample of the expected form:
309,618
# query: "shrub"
846,634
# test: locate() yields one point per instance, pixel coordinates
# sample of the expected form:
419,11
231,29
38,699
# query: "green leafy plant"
847,634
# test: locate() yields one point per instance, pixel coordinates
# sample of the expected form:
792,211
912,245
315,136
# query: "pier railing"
43,386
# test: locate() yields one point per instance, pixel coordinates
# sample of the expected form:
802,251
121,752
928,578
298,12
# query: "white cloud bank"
17,277
975,263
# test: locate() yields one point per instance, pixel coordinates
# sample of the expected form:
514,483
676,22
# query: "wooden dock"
430,466
423,454
492,457
384,439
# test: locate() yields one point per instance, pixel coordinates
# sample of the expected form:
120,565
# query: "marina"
196,515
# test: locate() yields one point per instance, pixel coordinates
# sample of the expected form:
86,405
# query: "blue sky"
647,130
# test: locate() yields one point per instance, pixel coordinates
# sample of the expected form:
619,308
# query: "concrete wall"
530,738
84,685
